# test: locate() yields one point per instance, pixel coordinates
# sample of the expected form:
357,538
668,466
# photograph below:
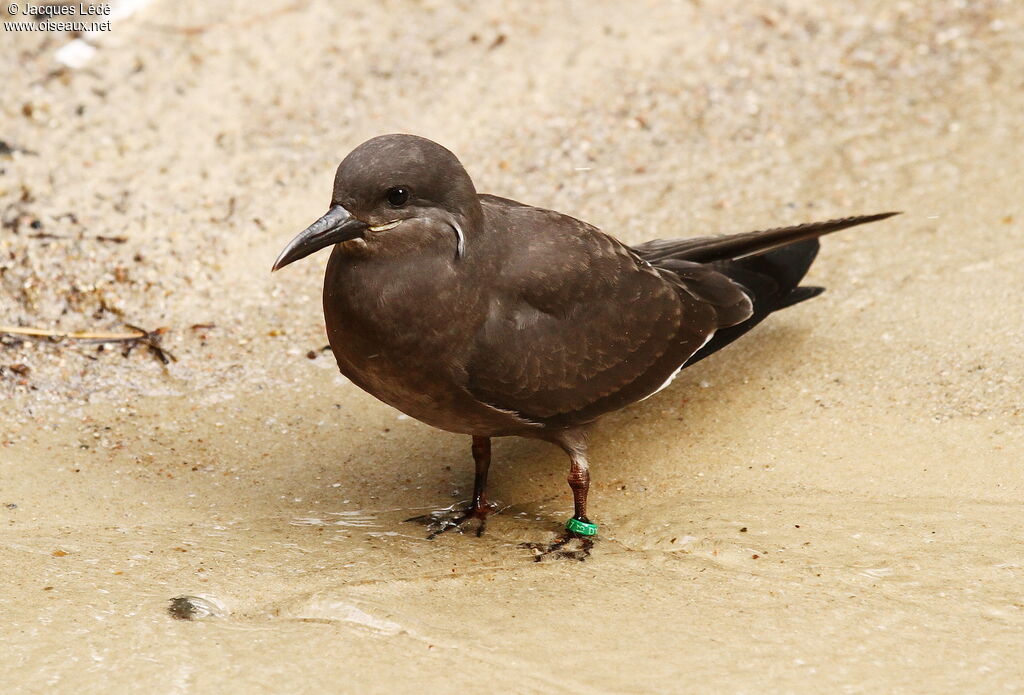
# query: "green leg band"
584,528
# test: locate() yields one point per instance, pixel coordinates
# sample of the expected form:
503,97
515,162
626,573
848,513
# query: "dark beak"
336,226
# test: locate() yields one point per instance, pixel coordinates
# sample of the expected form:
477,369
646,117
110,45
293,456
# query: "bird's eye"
397,196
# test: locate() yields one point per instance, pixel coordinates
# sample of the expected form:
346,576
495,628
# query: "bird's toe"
568,546
439,522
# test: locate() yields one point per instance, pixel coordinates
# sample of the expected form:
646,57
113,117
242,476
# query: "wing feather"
582,326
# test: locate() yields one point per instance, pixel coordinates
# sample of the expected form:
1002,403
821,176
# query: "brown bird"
487,317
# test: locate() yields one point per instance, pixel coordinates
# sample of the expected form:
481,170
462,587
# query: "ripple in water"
352,519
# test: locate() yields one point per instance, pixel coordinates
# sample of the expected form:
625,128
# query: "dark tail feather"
769,264
800,294
734,246
772,281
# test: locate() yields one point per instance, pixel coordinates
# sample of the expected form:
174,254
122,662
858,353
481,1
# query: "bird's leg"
439,522
479,508
579,528
579,481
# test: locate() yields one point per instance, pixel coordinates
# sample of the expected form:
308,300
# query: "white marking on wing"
676,372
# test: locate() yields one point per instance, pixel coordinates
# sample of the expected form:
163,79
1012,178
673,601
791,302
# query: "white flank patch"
676,372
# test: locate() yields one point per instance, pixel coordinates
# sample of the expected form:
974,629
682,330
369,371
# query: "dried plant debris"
99,237
151,340
130,340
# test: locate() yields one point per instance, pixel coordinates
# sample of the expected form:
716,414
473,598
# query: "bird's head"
385,182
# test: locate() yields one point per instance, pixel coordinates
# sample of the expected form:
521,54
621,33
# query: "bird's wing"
581,326
706,249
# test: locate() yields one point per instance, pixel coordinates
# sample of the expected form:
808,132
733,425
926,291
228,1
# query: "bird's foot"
448,519
574,544
569,546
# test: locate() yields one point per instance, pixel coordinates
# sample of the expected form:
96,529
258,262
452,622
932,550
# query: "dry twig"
139,337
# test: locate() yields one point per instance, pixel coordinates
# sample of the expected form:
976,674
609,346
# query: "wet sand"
832,504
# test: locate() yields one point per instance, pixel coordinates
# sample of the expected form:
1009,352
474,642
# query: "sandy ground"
831,505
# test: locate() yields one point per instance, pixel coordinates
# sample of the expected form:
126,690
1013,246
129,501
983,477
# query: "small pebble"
194,608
